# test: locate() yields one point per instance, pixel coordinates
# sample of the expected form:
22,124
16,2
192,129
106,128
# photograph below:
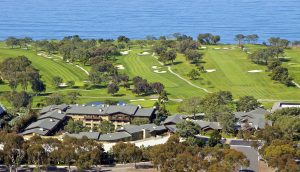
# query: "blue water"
54,19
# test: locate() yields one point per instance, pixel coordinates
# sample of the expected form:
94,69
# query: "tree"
36,154
193,55
73,97
38,86
123,39
157,87
12,41
273,64
127,152
239,38
281,154
112,88
183,45
55,99
193,74
71,83
281,74
227,121
191,106
215,138
106,127
187,128
13,149
247,103
168,56
56,81
140,121
75,126
19,100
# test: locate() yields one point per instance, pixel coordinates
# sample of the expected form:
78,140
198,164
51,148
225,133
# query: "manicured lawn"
232,74
48,67
142,66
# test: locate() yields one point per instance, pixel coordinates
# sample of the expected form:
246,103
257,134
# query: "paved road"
250,153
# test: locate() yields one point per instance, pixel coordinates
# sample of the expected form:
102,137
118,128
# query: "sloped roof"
171,128
40,131
206,124
127,109
256,117
90,135
139,128
144,112
89,110
46,123
53,114
49,108
114,136
173,119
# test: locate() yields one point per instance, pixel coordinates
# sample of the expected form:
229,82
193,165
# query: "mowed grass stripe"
142,66
48,67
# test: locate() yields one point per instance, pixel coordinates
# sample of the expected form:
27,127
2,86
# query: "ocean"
54,19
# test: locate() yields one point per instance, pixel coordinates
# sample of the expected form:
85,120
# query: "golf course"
227,68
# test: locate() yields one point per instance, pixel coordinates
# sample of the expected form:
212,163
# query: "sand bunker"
137,100
155,67
157,71
63,84
120,67
143,53
217,48
225,48
210,70
203,47
254,71
124,52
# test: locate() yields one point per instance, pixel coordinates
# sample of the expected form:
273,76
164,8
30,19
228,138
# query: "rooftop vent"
59,111
41,129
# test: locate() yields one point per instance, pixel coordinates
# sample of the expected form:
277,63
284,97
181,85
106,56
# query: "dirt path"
180,77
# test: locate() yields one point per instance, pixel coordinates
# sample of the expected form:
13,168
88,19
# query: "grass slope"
142,66
48,67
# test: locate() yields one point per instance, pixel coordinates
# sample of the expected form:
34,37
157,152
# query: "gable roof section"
89,135
62,107
127,109
39,131
46,123
144,112
87,110
52,114
114,136
173,119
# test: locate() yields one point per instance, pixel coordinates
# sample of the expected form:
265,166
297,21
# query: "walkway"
180,77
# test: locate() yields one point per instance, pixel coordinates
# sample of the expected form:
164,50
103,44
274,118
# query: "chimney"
144,134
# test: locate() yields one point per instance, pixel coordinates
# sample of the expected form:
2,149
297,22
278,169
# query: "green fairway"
136,65
231,65
232,74
48,67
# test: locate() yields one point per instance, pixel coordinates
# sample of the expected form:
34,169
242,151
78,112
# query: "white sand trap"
39,54
157,71
120,67
210,70
155,67
154,99
63,84
249,52
254,71
217,48
48,57
143,53
137,100
124,52
285,57
225,48
203,47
